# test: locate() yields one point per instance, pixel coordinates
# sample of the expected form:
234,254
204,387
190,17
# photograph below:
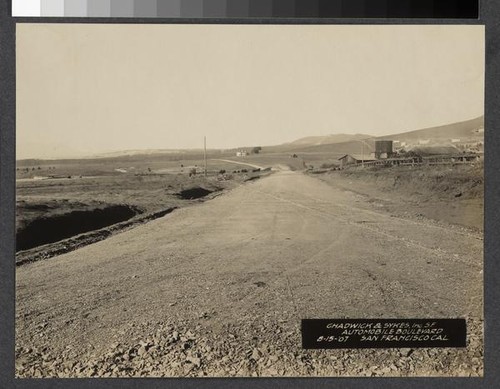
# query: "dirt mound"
196,192
447,194
58,227
434,183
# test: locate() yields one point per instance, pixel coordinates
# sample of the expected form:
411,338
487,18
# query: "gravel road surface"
219,289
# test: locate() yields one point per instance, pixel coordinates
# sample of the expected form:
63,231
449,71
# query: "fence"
419,161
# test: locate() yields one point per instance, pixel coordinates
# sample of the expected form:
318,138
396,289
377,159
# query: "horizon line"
103,154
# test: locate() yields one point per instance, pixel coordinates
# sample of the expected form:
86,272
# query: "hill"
327,139
461,130
315,143
465,131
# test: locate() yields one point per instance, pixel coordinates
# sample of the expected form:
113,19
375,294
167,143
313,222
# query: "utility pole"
362,154
205,153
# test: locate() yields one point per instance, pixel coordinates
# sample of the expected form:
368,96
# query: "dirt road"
240,163
219,289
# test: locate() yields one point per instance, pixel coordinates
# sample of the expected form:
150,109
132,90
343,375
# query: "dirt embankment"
58,227
453,195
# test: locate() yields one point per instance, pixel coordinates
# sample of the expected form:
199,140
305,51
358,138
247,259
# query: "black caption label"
383,333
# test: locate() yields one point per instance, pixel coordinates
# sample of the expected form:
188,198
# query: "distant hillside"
312,142
465,131
327,139
460,130
358,146
123,153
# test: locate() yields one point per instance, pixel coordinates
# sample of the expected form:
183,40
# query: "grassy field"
166,163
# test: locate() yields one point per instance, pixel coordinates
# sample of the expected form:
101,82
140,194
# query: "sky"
86,89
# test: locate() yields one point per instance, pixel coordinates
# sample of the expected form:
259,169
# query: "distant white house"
424,141
241,153
455,140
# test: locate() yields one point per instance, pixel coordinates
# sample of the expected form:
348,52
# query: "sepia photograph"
191,197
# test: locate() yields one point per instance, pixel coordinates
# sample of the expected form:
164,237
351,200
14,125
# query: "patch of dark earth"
75,242
195,193
50,229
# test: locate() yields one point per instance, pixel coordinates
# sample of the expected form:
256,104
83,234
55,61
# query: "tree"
256,150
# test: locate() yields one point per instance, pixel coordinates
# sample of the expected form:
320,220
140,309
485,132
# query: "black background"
489,15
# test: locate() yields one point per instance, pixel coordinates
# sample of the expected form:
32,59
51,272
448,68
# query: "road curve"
240,163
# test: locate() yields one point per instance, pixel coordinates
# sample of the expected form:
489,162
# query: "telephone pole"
362,154
205,153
